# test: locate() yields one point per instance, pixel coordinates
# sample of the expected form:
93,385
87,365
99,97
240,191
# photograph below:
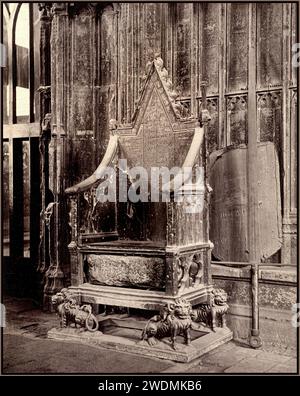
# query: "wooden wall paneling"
216,55
122,44
118,64
16,200
269,44
140,41
291,102
294,38
153,26
213,126
36,61
236,120
107,63
97,92
195,58
129,62
44,61
293,154
170,39
136,36
53,56
212,129
31,64
237,47
5,39
252,188
81,118
286,131
183,42
269,109
82,157
163,30
11,185
211,44
5,210
222,134
289,135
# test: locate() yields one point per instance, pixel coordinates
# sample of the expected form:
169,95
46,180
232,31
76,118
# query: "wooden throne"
145,254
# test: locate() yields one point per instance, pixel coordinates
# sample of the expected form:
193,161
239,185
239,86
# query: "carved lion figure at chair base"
214,314
174,319
70,312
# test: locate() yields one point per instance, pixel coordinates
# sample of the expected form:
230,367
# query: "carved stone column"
54,276
45,134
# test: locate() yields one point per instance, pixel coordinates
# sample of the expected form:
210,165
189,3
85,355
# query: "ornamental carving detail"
212,314
179,318
70,312
174,320
181,109
190,271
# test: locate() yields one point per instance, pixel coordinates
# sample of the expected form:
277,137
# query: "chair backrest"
160,133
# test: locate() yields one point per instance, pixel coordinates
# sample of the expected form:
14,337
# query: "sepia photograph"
149,190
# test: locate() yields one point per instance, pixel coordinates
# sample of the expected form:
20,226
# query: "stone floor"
26,349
